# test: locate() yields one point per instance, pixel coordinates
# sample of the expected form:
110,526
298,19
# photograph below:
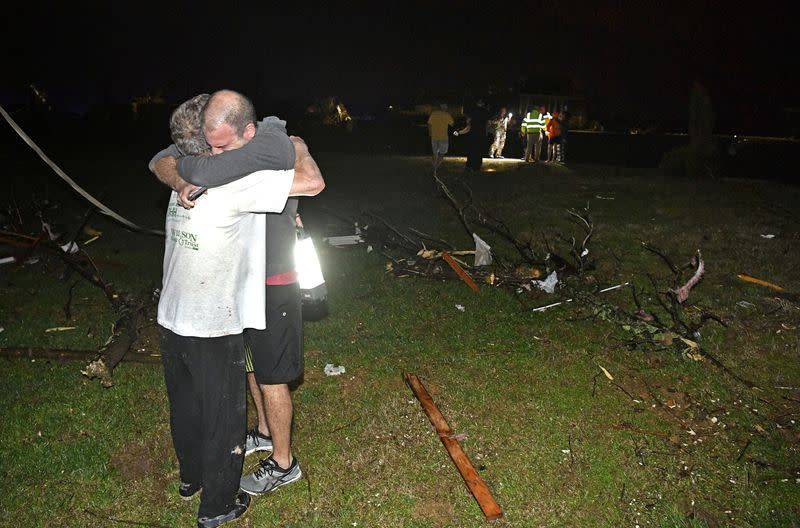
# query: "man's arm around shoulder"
165,166
308,179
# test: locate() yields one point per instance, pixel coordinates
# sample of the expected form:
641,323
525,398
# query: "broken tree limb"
126,330
491,510
429,237
469,212
459,271
664,257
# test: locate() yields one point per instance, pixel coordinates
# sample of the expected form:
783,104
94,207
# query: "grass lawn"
669,442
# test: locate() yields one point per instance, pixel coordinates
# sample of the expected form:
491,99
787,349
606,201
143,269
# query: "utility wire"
103,209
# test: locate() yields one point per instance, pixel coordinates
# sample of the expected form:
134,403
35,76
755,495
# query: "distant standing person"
438,123
477,121
554,138
546,137
532,130
500,128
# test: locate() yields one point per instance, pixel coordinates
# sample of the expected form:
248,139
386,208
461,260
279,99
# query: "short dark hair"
238,112
186,126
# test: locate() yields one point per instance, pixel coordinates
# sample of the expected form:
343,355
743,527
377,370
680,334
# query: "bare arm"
307,176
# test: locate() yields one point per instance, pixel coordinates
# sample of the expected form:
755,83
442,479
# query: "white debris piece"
333,370
549,284
344,240
483,252
460,307
70,247
768,236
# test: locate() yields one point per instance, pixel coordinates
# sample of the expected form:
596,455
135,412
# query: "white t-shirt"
214,265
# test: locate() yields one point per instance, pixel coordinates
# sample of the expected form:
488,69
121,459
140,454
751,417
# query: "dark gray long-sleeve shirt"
270,149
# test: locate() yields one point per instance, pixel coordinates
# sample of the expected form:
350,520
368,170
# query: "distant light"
490,170
510,114
391,107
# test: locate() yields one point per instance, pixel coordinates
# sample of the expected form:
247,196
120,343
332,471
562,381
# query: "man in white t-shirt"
213,288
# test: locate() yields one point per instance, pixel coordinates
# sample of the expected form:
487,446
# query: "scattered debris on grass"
19,235
412,252
668,319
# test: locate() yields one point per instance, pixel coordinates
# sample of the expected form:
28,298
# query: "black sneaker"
187,491
269,477
239,507
255,441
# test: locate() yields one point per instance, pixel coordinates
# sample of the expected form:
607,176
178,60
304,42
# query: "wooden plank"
459,270
491,510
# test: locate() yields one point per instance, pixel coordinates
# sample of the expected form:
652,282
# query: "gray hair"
230,108
186,126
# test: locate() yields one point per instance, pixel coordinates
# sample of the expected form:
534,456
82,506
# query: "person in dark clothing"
477,122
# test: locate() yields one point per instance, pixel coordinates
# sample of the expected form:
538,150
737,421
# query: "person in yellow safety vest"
532,127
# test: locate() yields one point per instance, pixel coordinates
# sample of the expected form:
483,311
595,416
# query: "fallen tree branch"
126,330
663,256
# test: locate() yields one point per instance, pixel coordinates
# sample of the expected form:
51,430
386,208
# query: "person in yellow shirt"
438,123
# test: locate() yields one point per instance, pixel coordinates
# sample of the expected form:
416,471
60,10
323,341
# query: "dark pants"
206,387
476,147
533,146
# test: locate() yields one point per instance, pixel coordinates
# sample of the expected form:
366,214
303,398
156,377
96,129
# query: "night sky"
629,60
